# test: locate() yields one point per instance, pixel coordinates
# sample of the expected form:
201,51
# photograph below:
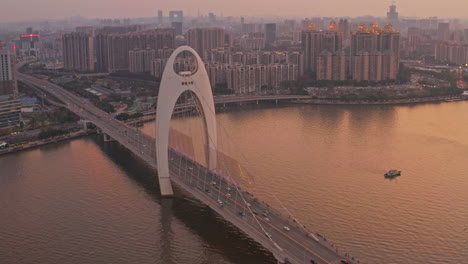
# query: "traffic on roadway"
282,235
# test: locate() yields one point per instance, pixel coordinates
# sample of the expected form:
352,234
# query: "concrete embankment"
383,102
42,142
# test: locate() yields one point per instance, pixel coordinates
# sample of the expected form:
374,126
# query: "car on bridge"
287,228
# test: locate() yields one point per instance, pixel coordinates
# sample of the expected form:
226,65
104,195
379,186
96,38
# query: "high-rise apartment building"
10,106
205,39
6,72
296,57
374,53
452,53
331,66
177,27
270,33
443,31
78,52
10,110
140,60
102,46
314,42
245,79
343,26
113,48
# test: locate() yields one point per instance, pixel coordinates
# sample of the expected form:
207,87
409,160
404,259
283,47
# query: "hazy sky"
17,10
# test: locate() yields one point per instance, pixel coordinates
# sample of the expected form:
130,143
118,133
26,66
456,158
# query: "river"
87,201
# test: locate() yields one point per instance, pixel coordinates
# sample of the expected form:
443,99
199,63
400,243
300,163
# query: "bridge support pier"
107,138
85,124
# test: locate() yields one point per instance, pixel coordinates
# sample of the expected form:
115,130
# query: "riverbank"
37,143
437,99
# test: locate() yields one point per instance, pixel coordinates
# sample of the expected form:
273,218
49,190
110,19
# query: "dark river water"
86,201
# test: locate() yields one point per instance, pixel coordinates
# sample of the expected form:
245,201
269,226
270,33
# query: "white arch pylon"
172,86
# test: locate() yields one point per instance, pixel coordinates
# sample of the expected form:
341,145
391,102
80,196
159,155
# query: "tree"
33,122
222,88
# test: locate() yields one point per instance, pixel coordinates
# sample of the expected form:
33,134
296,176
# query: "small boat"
392,173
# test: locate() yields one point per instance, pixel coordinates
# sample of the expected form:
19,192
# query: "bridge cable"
229,174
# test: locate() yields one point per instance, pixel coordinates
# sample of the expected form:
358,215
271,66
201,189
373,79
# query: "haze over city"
233,132
59,9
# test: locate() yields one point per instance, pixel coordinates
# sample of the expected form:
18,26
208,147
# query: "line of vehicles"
223,196
4,145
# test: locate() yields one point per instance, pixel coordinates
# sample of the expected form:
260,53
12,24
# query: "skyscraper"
176,16
29,44
270,33
78,52
392,14
160,17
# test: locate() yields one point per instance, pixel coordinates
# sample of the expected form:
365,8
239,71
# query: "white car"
220,202
287,228
248,204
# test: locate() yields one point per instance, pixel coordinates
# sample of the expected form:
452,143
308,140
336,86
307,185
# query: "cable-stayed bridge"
281,234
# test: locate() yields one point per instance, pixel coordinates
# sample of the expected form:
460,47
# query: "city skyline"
54,9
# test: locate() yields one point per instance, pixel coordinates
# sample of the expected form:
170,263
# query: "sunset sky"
55,9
